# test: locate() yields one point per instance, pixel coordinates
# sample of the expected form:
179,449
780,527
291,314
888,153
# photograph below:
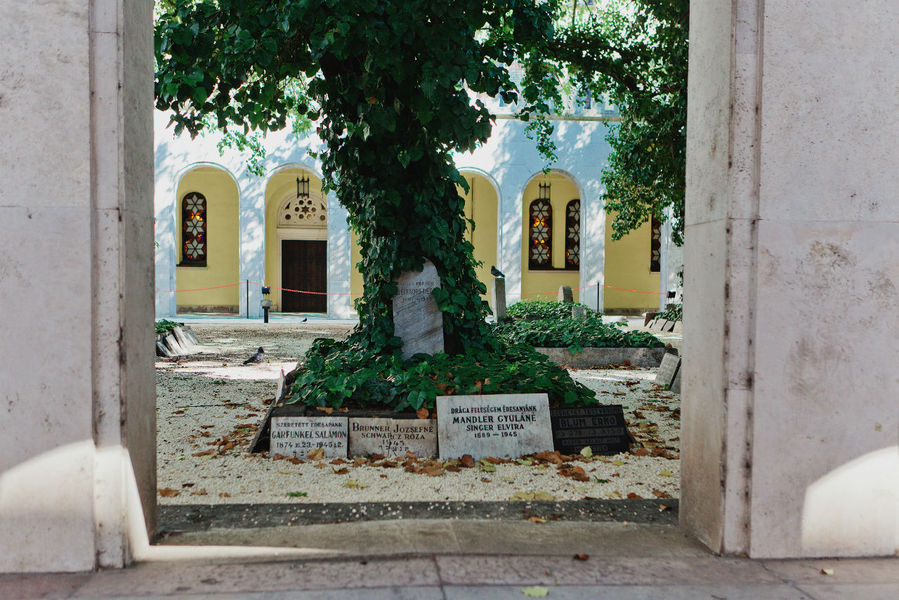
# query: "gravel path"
209,406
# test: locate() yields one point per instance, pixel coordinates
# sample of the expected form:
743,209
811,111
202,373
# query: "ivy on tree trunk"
387,85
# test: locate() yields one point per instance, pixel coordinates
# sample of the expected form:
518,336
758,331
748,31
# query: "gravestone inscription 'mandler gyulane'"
393,437
602,428
417,320
296,436
668,369
499,425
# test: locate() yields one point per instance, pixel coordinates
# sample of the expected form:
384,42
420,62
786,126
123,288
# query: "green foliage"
166,326
674,312
336,374
544,309
385,83
636,51
574,334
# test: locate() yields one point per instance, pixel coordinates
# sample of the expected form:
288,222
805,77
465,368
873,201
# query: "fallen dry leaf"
354,485
422,413
827,571
325,409
581,556
316,454
536,519
467,461
224,495
200,492
341,471
535,591
168,492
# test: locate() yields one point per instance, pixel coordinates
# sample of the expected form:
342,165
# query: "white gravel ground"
209,406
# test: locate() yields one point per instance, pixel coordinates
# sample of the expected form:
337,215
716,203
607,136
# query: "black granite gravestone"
602,428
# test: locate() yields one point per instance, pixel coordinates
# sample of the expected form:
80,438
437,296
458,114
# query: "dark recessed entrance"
304,267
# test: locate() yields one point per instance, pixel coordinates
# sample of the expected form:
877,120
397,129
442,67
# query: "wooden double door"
304,266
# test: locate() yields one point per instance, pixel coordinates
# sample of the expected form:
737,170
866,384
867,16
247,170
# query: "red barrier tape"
216,287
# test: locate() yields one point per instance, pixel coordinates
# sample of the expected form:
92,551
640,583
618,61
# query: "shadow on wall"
854,509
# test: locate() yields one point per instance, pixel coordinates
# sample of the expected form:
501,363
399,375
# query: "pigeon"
256,358
496,272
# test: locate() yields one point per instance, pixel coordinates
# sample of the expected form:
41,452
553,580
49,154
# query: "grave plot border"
604,357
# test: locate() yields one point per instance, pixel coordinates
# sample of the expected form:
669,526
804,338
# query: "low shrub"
544,309
335,374
574,334
166,326
674,312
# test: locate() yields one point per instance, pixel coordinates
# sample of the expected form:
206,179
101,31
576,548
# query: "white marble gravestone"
296,436
499,425
416,318
393,437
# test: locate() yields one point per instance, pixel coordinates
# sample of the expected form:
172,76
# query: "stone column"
252,243
790,439
340,303
76,283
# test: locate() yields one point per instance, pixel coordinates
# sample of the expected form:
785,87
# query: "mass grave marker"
498,425
565,294
578,311
417,320
393,437
296,436
668,369
602,428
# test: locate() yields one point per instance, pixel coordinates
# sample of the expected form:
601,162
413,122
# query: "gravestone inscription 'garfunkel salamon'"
297,436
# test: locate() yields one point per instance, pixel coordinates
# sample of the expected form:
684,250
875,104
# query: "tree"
636,51
385,83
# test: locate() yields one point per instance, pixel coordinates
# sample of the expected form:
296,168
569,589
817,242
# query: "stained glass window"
193,230
655,246
541,233
573,235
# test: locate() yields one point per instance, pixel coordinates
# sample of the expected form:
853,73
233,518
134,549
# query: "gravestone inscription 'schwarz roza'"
296,436
417,320
498,425
393,437
601,428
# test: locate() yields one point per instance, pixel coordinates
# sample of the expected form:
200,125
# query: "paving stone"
531,570
197,578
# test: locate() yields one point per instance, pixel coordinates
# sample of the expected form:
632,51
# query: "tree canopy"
387,86
636,51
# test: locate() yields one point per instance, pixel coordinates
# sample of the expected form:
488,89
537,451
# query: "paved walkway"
463,560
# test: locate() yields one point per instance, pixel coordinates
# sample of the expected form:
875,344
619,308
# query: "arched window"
193,230
655,246
541,235
573,235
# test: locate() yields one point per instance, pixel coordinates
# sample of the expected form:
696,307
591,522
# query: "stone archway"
775,386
